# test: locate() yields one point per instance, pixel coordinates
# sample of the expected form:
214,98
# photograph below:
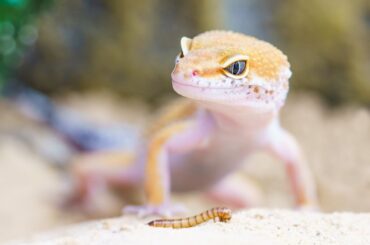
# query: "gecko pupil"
237,67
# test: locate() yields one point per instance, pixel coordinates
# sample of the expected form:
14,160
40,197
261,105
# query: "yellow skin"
236,85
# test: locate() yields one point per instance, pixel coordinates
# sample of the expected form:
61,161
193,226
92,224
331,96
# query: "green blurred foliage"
17,32
328,45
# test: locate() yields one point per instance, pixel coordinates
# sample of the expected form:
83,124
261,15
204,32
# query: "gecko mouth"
245,94
198,87
190,90
248,88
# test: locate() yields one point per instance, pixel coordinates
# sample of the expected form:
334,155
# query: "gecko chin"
242,93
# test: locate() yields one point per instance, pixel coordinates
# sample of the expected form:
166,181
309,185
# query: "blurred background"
125,46
109,62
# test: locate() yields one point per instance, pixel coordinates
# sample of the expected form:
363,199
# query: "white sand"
256,226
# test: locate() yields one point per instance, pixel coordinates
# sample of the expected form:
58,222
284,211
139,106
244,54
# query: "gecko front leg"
284,146
177,138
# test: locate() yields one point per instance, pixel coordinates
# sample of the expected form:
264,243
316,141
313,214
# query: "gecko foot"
165,210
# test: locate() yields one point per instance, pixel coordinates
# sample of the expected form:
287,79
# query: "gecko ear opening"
185,45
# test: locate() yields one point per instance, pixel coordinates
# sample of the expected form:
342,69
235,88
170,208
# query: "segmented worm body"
219,213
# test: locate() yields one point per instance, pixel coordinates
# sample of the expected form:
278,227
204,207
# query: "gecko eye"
236,67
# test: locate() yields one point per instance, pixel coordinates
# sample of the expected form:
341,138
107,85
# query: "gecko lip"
181,85
195,85
194,91
198,87
210,93
227,84
197,92
249,94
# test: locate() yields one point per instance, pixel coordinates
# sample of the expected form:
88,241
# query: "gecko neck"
240,117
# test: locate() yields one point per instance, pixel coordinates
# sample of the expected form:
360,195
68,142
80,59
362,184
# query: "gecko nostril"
195,73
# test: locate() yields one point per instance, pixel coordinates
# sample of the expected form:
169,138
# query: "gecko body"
235,86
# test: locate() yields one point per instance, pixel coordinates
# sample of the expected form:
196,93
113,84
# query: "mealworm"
219,213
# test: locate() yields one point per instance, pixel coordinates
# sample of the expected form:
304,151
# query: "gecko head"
231,68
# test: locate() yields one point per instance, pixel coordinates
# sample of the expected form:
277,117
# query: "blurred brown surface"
335,142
